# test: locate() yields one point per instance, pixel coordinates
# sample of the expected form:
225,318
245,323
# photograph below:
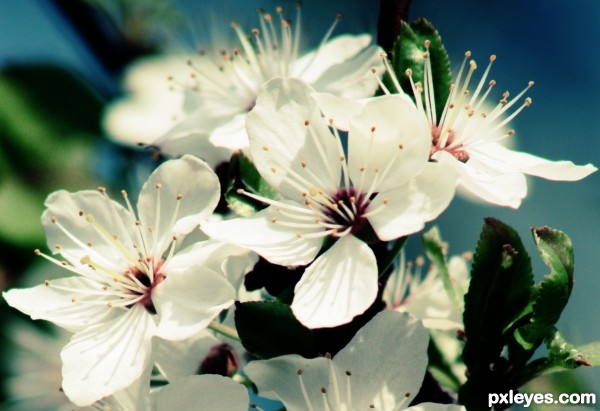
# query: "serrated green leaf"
269,329
433,246
408,54
501,282
553,293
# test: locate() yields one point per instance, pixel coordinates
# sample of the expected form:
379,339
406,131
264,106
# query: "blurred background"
62,61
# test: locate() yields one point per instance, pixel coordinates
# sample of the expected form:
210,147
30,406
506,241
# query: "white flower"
131,282
223,89
381,368
383,184
425,296
466,137
196,392
202,392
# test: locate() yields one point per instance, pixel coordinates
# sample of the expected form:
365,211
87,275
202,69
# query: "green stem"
389,259
225,330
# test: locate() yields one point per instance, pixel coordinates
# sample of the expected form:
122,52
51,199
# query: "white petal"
232,261
505,189
278,379
353,78
430,406
339,285
384,375
107,357
276,243
177,359
503,159
135,397
189,299
409,207
202,392
51,304
73,212
231,135
339,109
293,157
196,144
339,49
189,177
136,120
401,140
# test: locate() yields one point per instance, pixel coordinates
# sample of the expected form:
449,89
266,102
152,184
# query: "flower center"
463,122
347,210
148,285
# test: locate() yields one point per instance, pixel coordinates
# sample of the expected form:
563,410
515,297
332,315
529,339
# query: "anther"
373,128
273,170
401,146
530,84
348,373
158,185
408,72
528,101
233,25
102,189
299,372
511,132
303,163
90,218
323,390
124,193
53,219
256,32
339,16
37,251
80,213
240,191
46,283
179,196
407,394
467,54
427,43
492,57
373,70
279,10
265,147
306,122
383,54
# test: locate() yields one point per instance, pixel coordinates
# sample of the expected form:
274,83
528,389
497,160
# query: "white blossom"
219,90
381,368
131,281
383,182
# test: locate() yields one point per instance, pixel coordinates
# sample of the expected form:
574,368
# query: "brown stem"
391,14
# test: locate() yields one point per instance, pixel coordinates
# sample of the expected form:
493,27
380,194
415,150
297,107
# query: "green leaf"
433,245
408,54
269,329
562,356
590,353
21,208
501,282
553,293
244,175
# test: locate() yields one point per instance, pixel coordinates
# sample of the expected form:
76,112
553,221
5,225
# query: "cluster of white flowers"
149,281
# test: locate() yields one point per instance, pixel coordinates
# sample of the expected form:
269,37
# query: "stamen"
309,406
